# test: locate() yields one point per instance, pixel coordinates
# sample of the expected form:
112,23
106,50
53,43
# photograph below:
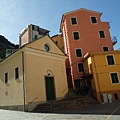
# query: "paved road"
97,112
99,109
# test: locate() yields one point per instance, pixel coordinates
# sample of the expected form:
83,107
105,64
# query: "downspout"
23,80
97,76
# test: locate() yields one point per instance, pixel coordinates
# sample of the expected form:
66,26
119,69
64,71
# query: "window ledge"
18,80
7,84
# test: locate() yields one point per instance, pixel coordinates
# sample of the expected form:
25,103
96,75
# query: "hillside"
4,44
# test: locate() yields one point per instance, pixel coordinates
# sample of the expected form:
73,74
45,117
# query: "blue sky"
15,15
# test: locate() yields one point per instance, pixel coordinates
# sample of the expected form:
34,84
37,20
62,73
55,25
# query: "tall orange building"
83,31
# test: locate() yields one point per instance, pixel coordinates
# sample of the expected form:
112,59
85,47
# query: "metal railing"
114,39
62,105
33,100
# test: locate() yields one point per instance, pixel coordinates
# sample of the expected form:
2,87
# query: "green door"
50,88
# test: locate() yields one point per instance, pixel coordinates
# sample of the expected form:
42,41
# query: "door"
50,88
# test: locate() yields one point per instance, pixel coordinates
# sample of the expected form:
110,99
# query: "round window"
46,47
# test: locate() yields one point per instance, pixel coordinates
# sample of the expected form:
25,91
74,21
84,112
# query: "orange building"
104,69
83,31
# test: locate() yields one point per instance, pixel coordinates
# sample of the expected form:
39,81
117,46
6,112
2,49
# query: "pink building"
31,33
83,31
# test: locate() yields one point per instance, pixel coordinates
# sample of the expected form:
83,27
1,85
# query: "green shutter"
73,21
80,67
102,35
114,78
76,35
78,53
110,60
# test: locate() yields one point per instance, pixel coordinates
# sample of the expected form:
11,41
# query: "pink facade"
83,32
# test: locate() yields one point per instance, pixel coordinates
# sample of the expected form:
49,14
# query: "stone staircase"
59,105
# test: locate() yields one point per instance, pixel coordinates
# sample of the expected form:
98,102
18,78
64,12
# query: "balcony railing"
114,40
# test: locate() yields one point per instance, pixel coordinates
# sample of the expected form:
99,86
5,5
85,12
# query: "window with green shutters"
35,37
101,34
110,60
105,48
78,53
73,21
114,77
76,35
80,67
93,19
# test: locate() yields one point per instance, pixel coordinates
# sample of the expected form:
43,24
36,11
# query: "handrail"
114,39
33,100
64,90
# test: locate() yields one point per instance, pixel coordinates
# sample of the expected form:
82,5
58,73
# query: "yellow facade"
102,83
35,64
11,93
58,39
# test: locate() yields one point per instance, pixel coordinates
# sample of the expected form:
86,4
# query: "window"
6,78
73,21
102,34
105,48
36,28
80,67
16,73
76,35
114,77
35,37
110,60
56,42
78,53
93,19
77,83
47,48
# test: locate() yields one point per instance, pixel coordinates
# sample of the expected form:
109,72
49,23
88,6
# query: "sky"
15,15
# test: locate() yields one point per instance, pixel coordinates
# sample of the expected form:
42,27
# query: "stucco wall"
104,70
101,81
39,44
36,66
89,35
12,92
59,40
24,38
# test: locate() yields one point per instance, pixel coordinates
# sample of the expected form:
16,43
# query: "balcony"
114,40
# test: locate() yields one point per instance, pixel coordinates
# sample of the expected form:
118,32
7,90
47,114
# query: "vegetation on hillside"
5,44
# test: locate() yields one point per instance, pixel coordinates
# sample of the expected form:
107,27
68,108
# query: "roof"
50,39
26,45
25,29
100,53
81,9
56,35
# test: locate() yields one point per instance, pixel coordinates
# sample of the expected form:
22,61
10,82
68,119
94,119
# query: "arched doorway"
49,85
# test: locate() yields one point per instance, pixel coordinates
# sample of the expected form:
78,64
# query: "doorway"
116,96
50,88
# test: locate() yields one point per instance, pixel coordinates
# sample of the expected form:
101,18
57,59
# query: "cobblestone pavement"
109,111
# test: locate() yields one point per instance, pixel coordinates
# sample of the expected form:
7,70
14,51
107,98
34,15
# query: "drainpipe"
23,80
